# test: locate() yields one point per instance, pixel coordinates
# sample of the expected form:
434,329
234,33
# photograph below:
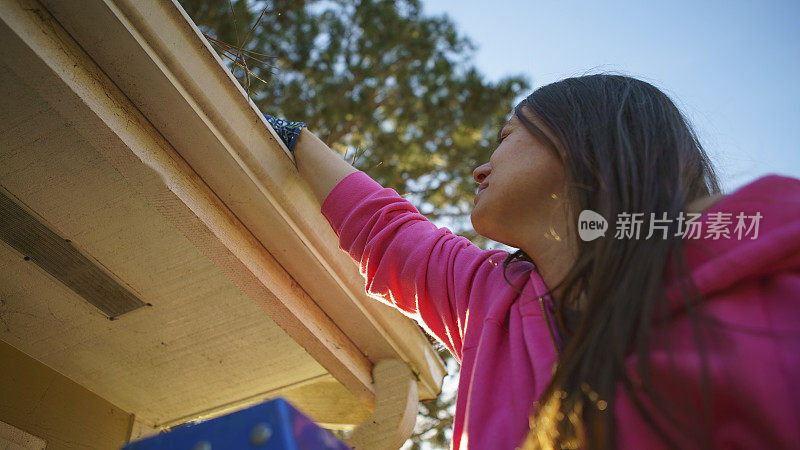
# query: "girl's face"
522,204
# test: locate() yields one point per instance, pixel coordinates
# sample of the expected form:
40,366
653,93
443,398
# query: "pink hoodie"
456,291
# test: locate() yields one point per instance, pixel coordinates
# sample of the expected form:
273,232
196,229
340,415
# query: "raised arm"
321,167
431,275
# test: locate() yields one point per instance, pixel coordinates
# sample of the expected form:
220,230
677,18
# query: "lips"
480,189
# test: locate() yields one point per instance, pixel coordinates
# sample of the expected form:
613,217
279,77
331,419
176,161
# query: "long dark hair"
626,148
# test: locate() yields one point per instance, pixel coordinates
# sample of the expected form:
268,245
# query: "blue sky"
732,67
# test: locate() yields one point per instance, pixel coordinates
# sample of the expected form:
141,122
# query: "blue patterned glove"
287,130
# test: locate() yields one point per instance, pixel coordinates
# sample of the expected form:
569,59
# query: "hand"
287,130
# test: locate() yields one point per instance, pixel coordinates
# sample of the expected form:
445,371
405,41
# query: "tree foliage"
381,79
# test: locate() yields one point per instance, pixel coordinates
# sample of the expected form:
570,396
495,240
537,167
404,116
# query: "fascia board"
160,60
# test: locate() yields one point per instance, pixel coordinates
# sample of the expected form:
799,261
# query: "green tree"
380,79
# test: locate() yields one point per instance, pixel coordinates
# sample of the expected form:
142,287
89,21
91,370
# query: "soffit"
202,343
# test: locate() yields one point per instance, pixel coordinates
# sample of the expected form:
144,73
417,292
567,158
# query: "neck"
553,260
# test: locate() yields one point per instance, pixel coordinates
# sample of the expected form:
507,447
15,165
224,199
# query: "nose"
481,172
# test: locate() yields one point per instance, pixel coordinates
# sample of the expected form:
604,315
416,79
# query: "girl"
677,325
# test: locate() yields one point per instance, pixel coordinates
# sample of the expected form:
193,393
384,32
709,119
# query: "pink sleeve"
428,273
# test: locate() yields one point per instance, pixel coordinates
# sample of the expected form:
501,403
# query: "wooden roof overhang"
122,132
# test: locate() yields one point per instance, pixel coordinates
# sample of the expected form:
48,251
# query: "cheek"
529,190
533,197
519,199
544,181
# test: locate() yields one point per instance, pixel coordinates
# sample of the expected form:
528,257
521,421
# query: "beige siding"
46,404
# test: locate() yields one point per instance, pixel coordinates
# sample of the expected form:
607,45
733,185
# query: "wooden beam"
395,409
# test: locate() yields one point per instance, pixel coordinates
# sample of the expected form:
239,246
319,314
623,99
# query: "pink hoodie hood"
752,289
773,248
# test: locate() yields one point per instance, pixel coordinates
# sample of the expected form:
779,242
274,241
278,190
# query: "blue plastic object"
272,425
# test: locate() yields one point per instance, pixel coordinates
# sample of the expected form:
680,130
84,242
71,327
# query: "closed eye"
507,128
501,136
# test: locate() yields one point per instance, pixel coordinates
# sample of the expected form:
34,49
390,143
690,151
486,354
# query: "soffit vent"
62,260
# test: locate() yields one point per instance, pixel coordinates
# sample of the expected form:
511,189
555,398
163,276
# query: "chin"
477,225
